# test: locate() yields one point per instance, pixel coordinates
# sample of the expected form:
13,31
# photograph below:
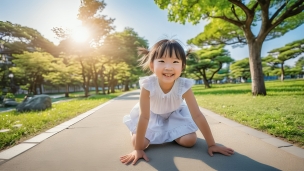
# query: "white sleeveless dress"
170,117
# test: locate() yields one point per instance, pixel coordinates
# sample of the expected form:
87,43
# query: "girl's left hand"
220,149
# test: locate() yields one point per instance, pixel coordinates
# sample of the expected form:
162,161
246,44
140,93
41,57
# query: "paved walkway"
93,141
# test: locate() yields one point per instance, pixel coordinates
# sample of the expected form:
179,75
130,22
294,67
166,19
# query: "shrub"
10,96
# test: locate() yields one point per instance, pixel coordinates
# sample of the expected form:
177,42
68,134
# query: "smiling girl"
167,110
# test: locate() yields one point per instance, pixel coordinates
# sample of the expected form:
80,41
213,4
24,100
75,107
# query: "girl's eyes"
164,61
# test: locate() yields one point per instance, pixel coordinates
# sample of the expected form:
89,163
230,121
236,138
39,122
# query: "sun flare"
80,34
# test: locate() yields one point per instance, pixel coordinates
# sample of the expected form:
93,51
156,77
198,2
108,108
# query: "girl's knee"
188,140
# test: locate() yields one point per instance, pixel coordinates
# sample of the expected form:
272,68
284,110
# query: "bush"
10,96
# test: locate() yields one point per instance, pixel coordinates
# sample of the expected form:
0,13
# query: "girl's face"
167,69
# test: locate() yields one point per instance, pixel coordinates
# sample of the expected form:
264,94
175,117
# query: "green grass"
280,113
34,123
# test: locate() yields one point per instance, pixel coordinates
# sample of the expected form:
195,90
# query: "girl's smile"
168,75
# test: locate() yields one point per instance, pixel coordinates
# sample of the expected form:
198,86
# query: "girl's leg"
133,138
187,140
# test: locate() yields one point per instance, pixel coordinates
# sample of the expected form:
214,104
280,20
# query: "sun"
80,34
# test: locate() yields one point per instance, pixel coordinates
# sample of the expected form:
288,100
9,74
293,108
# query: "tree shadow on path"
162,158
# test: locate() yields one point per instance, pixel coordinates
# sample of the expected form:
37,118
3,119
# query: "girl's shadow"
162,158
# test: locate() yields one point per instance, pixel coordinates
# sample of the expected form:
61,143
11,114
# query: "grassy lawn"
34,123
280,113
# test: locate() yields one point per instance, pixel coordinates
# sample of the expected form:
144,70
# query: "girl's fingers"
122,157
231,150
126,160
135,160
228,152
210,152
145,157
130,159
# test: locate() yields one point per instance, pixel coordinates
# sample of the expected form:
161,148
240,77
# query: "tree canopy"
240,69
207,62
16,39
234,22
282,54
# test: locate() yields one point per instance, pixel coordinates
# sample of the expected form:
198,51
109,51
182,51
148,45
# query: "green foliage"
289,51
207,62
232,23
122,47
9,96
240,69
300,66
229,20
282,54
30,68
64,74
98,25
17,38
271,66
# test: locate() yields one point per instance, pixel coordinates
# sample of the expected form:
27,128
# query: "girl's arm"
203,126
144,115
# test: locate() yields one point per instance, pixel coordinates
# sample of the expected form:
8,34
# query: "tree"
207,62
300,66
122,47
221,75
289,51
64,74
99,27
270,66
240,69
30,68
232,22
17,38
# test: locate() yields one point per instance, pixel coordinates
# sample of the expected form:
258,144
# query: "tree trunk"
113,88
95,79
256,70
112,83
103,85
282,71
126,88
109,82
40,88
86,80
67,90
35,88
206,82
96,85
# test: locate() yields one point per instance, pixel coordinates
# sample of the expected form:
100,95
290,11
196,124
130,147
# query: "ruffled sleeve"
148,83
144,82
185,85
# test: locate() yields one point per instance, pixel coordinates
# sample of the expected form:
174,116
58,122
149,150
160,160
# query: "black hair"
162,48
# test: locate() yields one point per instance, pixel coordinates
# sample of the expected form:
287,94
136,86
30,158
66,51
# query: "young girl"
162,115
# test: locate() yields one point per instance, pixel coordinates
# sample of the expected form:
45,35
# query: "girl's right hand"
133,156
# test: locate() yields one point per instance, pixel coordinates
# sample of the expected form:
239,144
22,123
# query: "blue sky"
143,16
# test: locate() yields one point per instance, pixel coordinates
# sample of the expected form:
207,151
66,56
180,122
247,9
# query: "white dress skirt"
165,127
170,117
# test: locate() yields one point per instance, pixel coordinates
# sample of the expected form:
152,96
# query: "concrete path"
94,141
